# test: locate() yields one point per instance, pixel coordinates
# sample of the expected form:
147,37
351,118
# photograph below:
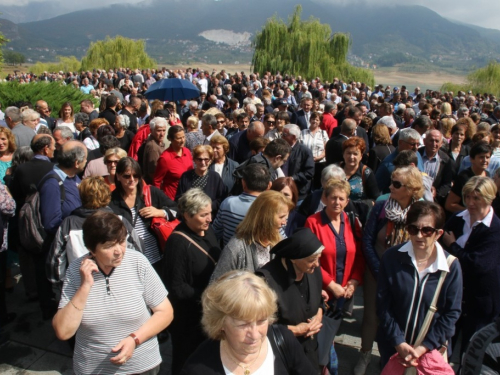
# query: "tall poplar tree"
305,48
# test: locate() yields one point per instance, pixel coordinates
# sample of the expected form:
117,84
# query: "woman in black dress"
191,252
294,274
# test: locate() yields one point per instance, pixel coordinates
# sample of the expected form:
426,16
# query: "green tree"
305,48
3,40
486,79
117,52
64,63
14,58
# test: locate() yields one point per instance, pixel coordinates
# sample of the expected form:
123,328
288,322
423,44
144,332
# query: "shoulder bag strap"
146,192
432,309
280,343
195,244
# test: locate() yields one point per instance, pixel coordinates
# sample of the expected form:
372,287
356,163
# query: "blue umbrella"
172,89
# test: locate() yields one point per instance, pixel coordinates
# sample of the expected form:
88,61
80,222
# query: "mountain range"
381,35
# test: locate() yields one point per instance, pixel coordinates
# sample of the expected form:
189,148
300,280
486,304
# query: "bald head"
255,129
73,157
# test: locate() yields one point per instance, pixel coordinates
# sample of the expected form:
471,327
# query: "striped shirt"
117,305
150,244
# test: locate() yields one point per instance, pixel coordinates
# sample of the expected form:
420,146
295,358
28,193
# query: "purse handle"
430,313
195,244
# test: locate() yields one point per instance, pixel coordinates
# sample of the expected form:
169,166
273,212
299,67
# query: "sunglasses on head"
129,176
396,184
413,230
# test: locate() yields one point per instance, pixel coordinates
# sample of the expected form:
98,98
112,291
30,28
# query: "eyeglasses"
397,184
204,160
112,161
129,176
271,122
413,230
221,122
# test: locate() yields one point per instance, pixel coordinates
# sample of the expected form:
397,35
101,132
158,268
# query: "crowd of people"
282,196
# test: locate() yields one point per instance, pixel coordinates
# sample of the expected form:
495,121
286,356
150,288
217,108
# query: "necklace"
246,368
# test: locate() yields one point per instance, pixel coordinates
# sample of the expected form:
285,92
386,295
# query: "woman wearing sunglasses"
385,228
407,282
127,200
473,236
203,177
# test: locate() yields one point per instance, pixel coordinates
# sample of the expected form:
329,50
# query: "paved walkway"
34,350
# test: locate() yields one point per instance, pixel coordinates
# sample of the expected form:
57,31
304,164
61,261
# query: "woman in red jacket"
342,262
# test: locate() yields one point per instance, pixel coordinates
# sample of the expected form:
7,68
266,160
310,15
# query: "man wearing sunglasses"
409,139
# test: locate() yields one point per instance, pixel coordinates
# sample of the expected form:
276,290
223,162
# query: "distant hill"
380,35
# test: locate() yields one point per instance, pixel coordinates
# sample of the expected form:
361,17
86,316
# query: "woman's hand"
87,267
126,349
448,238
149,212
324,296
315,323
350,288
408,355
337,290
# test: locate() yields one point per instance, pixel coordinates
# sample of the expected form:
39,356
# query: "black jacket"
444,176
206,359
158,200
301,168
227,172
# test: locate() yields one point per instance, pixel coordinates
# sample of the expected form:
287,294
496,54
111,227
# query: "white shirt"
439,264
462,240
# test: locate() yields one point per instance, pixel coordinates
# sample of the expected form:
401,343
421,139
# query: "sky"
483,13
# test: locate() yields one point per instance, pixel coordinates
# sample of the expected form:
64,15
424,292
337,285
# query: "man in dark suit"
355,114
302,116
437,164
193,108
333,150
27,176
300,164
130,110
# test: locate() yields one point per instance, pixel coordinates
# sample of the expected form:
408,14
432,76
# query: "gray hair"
158,121
483,126
210,120
13,113
69,155
332,171
252,108
406,134
280,92
65,132
124,121
192,201
410,112
82,118
388,121
330,106
293,130
193,104
29,114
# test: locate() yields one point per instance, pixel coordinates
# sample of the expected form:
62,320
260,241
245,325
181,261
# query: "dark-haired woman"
114,302
174,161
128,201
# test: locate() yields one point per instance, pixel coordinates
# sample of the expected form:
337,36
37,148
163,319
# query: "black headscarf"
301,244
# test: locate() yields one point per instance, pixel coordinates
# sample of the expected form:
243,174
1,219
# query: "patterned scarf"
396,232
200,181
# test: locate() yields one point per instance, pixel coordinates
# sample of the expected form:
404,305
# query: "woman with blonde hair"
256,234
382,146
111,159
238,312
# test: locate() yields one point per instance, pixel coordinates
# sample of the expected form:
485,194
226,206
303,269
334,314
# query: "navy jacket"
480,261
239,147
403,302
374,224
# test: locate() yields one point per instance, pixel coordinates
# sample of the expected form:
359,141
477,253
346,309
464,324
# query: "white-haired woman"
124,135
190,257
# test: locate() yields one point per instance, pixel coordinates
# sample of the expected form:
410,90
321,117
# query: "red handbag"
431,363
160,225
